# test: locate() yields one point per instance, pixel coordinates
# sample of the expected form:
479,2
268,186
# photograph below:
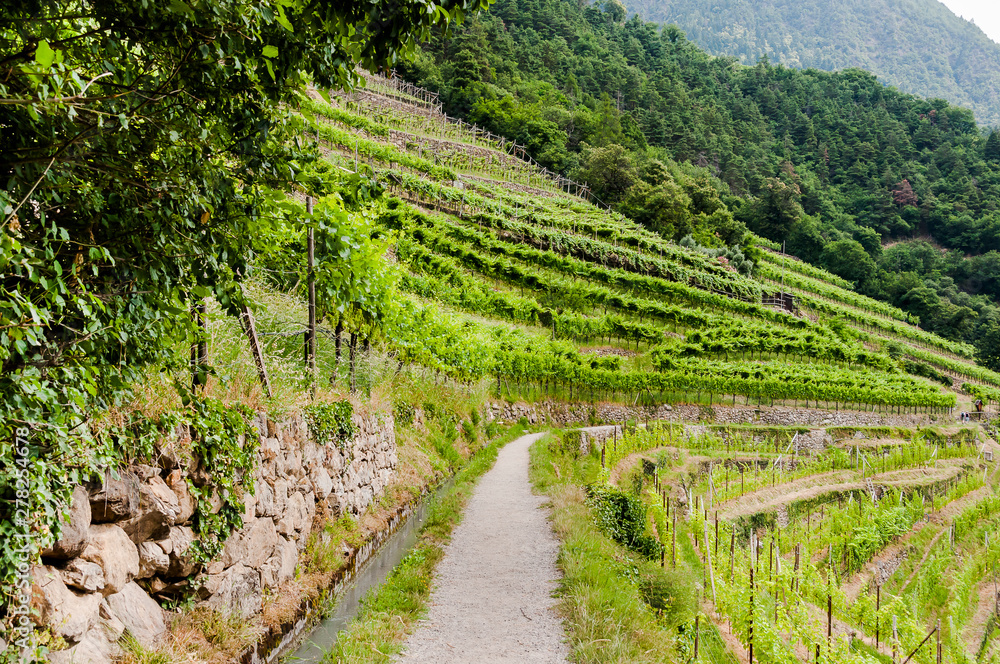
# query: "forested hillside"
839,167
919,46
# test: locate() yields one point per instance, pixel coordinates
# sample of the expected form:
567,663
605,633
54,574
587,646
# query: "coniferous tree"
992,151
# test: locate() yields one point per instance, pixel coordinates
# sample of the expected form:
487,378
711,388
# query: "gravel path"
492,598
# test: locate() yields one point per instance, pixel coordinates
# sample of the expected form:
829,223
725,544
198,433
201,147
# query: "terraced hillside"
511,274
845,544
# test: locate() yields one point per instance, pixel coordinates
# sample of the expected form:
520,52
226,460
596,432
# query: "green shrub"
404,413
622,517
569,441
446,450
469,430
330,422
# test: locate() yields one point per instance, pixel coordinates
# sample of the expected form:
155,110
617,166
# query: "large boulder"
272,461
186,503
289,557
265,499
84,576
321,481
69,614
281,566
115,500
152,560
252,546
296,516
75,528
281,490
139,613
237,591
117,555
158,509
180,540
96,647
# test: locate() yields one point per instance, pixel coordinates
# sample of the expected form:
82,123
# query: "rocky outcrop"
814,440
68,613
235,590
117,556
75,534
138,613
116,499
595,437
127,541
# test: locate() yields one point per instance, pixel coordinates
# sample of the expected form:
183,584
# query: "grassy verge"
388,614
617,606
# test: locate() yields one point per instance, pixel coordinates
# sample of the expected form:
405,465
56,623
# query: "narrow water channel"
370,576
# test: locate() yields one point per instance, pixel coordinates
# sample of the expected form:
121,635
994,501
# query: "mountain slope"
919,46
506,276
838,167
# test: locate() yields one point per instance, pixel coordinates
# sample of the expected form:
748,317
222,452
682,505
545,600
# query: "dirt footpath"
768,499
492,599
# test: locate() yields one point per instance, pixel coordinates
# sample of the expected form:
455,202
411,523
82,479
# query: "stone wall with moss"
131,544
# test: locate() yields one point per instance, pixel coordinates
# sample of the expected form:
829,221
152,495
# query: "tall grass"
617,606
281,320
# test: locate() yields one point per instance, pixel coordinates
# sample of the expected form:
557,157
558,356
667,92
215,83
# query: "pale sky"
985,14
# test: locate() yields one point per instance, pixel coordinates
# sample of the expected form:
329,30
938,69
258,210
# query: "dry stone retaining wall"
564,413
128,540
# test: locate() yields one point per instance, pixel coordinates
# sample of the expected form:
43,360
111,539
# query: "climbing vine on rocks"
225,443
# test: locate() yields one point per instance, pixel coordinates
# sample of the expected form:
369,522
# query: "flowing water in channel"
369,577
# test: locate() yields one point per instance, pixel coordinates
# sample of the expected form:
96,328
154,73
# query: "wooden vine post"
732,555
795,577
708,558
878,605
697,618
895,639
716,533
750,638
673,543
352,355
311,271
250,328
829,621
338,333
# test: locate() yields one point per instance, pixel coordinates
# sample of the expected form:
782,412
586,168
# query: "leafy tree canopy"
140,140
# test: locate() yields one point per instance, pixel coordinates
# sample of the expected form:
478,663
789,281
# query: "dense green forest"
919,46
844,170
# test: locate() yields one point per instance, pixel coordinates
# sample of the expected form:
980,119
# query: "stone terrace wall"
128,539
563,413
